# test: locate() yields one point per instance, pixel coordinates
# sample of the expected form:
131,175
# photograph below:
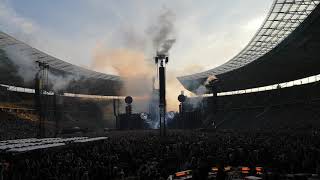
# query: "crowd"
144,155
13,127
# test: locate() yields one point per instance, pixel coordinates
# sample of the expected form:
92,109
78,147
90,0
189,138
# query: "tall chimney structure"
161,60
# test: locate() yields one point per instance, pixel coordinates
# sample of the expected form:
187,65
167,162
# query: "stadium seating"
292,107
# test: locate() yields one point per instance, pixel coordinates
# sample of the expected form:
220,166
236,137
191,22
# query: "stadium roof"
88,81
6,41
285,48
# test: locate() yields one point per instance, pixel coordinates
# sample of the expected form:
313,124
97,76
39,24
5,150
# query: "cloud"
11,22
254,24
75,50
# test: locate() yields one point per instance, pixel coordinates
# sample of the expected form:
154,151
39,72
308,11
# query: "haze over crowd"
118,37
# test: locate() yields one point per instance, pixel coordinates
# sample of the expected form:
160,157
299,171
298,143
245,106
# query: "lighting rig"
41,101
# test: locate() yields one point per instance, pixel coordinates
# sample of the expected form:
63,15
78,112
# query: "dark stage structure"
162,60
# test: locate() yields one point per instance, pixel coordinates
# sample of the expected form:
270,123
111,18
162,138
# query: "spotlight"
144,116
171,115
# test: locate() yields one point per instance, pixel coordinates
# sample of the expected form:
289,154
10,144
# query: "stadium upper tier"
285,48
86,81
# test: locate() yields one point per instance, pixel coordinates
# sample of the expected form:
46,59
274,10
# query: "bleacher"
296,107
19,118
31,144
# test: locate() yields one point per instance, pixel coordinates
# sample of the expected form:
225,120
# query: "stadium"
254,117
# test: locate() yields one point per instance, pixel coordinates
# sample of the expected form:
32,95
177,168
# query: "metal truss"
283,18
7,42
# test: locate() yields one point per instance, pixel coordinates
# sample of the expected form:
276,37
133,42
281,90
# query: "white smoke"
27,69
24,64
133,61
61,82
166,46
162,32
210,80
197,101
201,90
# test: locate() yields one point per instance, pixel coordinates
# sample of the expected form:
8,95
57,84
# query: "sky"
208,32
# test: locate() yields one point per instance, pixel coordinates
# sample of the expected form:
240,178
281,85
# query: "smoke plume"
130,64
24,64
27,69
162,32
166,46
196,102
133,60
210,80
59,82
